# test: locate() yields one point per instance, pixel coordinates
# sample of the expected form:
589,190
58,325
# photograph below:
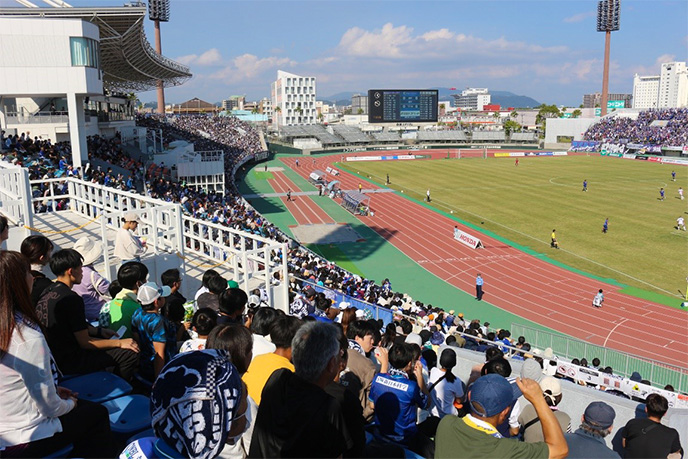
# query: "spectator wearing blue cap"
475,435
588,441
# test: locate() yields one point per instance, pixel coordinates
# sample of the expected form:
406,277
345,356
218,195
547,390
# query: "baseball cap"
414,338
531,370
490,395
550,384
207,380
360,313
600,415
310,291
131,217
150,291
232,284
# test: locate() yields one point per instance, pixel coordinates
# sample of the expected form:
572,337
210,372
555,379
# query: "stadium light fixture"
608,13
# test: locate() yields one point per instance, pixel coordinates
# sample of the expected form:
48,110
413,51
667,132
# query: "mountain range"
502,98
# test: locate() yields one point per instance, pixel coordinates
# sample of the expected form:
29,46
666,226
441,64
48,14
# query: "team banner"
584,146
631,388
467,239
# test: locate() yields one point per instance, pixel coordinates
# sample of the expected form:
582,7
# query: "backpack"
104,317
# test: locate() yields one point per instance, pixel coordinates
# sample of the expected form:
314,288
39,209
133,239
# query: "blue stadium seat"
146,433
98,387
129,414
64,452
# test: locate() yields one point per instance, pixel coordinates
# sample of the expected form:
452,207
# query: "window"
84,52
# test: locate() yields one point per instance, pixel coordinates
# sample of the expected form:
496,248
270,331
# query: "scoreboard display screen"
402,105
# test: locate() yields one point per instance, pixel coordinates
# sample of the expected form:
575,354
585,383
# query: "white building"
63,74
673,85
293,99
669,89
645,90
472,99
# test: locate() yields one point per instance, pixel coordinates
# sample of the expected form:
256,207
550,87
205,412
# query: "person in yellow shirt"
282,332
554,244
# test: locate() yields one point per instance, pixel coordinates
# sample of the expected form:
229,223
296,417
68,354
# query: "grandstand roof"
128,61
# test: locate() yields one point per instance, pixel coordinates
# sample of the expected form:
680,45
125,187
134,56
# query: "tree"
514,114
511,126
576,113
320,116
546,111
360,111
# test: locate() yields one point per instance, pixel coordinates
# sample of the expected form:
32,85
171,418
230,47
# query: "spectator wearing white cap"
128,247
93,288
529,421
155,334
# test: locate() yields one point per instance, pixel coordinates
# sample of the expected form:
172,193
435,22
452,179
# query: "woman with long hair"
37,250
38,417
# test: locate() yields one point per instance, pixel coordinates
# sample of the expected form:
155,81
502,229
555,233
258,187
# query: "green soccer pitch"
523,203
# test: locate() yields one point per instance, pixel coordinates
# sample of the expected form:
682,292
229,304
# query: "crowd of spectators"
622,129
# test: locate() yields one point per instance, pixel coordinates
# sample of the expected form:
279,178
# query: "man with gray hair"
296,417
588,441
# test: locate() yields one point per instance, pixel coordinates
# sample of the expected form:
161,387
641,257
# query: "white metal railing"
14,188
247,255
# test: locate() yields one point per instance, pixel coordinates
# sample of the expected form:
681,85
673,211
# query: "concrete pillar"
77,129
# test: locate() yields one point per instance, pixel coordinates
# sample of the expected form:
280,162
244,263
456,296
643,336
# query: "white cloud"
580,17
663,59
399,43
208,58
248,67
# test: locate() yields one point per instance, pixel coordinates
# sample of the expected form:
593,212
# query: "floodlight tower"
607,22
159,11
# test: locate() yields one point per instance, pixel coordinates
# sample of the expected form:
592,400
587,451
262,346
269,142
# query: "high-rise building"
669,89
293,99
645,91
359,104
472,99
595,99
673,85
234,103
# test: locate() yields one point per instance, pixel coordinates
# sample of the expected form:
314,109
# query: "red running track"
520,283
302,208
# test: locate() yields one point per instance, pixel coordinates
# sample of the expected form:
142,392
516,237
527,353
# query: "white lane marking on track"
612,331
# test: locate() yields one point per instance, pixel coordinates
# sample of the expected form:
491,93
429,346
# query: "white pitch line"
612,331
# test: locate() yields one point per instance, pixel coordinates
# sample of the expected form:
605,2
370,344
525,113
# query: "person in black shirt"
648,437
78,347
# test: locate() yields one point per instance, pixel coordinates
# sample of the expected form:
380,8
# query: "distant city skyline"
547,50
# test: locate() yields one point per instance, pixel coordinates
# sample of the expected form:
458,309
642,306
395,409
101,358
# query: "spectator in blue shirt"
155,334
395,397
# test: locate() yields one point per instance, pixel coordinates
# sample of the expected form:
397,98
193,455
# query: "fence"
14,185
658,373
167,230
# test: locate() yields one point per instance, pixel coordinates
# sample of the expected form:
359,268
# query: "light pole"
159,11
607,22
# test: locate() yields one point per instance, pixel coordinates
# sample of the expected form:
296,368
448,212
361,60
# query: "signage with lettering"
467,239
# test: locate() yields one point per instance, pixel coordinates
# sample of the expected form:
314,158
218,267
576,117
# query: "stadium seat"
143,434
64,452
98,387
129,414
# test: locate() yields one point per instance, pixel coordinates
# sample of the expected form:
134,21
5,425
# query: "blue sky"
546,49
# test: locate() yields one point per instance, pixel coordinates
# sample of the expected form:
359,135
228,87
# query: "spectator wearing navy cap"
588,441
475,435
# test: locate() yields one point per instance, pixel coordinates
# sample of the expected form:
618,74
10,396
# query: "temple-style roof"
128,61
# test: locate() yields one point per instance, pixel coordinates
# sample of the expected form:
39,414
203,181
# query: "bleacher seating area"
643,129
442,136
488,136
523,137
